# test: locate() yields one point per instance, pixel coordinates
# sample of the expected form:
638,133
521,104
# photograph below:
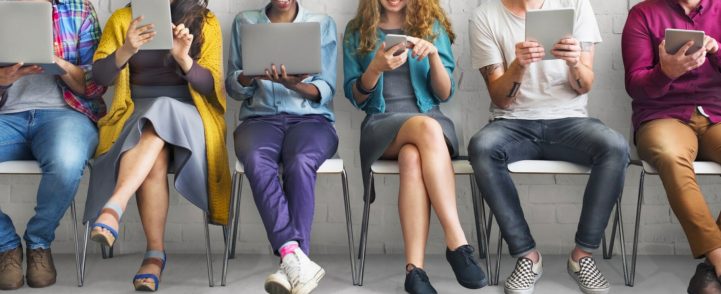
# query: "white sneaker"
524,276
277,283
586,274
303,273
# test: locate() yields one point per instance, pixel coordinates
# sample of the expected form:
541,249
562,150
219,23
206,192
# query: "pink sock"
288,248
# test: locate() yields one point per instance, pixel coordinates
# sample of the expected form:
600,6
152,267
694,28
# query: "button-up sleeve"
644,77
235,65
88,41
326,80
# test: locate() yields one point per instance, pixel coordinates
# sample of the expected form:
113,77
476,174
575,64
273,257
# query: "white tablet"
675,39
295,45
155,12
548,26
32,46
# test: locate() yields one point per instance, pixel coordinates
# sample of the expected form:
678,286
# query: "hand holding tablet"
674,60
157,14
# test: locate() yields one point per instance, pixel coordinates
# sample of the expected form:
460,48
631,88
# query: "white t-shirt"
545,92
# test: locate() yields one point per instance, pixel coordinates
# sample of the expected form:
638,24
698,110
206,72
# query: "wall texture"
552,203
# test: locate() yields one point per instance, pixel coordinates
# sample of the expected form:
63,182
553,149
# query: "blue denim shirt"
354,65
263,97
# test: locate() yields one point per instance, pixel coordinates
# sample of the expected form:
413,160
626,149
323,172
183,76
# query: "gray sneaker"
524,277
586,274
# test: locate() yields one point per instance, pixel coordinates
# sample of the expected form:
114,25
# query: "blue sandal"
107,236
151,257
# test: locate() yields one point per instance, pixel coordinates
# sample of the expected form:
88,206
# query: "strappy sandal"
103,233
139,281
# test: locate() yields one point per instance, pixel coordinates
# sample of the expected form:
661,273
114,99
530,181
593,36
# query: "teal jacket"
354,65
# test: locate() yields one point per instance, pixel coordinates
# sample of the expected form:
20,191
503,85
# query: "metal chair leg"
349,225
228,229
498,257
481,229
74,215
608,250
85,252
364,231
234,238
634,254
622,240
206,221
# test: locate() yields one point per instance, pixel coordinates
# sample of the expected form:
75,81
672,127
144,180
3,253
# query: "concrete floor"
384,274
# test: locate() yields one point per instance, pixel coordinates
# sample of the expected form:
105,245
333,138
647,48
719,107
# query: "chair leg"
228,229
608,250
481,228
208,256
234,238
498,257
364,231
622,240
84,253
349,225
74,215
634,254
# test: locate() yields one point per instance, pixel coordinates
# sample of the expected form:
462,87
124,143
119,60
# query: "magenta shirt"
656,96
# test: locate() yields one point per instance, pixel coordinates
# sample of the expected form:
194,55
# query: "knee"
301,163
616,148
69,166
485,146
409,158
429,131
255,160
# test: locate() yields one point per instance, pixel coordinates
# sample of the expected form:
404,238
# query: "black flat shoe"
468,273
704,281
417,281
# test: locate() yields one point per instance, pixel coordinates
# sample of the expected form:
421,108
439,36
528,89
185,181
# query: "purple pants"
300,144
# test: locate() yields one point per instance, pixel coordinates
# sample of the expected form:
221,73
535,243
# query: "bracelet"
363,90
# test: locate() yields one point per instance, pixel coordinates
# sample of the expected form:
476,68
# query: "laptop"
295,45
548,26
156,12
26,31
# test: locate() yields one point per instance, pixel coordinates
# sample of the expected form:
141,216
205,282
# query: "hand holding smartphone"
393,40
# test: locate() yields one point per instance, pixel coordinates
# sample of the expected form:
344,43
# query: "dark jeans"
300,144
584,141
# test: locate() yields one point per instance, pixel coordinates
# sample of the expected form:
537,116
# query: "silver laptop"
548,26
295,45
26,31
156,12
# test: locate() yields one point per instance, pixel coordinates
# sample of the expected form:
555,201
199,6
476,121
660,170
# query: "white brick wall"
552,203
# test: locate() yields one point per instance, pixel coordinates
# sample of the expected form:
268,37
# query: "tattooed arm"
503,84
579,58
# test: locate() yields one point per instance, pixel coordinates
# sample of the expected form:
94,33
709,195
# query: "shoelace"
7,260
293,270
36,258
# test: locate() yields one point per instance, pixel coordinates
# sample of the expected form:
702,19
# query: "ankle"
288,248
533,256
579,253
410,267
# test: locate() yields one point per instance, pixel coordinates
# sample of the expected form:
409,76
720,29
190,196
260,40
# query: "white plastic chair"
332,166
559,168
701,168
461,167
31,167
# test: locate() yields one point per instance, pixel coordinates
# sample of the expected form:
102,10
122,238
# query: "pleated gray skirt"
173,115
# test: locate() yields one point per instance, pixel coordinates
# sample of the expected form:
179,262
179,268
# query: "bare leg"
135,164
427,136
413,205
152,198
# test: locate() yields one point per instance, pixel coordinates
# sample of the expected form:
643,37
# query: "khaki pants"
672,146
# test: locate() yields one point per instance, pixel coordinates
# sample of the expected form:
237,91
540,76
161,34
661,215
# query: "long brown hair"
420,16
192,13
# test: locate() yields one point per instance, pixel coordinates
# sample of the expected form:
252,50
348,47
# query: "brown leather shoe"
704,281
11,269
41,269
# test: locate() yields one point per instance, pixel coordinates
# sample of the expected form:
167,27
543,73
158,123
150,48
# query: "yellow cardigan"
211,108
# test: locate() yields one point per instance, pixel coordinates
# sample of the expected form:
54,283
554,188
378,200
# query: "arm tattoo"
578,82
486,71
586,46
514,90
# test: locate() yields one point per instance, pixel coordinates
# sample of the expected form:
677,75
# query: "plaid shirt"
76,37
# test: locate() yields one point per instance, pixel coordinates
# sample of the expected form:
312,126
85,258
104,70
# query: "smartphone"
392,40
675,39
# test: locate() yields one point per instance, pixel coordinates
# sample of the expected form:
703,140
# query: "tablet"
295,45
155,12
548,26
32,46
675,39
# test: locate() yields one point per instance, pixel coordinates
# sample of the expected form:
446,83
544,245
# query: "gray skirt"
178,123
379,130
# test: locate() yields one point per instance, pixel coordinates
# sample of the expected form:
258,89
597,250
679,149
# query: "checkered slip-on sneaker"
589,279
524,276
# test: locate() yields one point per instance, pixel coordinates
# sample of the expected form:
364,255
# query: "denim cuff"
7,248
38,246
524,253
586,247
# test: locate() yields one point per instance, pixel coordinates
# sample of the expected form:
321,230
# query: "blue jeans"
584,141
62,141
